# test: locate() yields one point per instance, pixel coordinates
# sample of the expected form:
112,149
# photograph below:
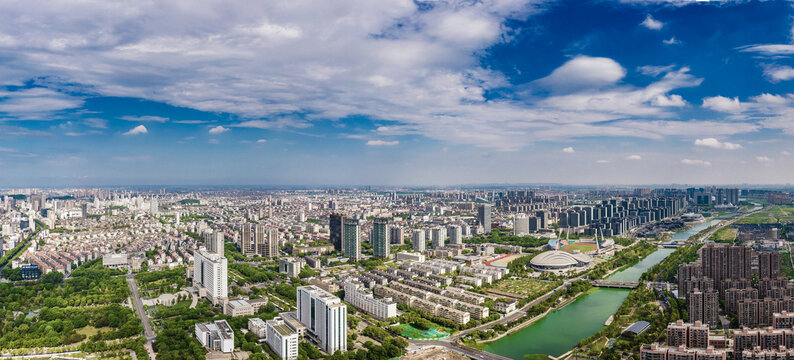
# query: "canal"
561,330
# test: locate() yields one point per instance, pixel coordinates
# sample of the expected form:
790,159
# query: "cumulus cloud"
723,104
261,141
140,129
159,119
634,157
382,143
672,41
716,144
568,150
695,162
652,23
218,130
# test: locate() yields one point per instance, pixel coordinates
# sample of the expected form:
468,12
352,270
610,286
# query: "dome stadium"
559,260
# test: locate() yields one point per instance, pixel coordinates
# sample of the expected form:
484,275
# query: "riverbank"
557,332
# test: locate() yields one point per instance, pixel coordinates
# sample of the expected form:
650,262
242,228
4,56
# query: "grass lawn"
757,220
725,235
525,287
90,331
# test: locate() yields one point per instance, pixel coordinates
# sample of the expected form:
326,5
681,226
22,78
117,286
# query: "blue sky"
396,92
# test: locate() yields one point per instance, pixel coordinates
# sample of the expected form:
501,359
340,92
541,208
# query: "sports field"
582,247
504,260
413,333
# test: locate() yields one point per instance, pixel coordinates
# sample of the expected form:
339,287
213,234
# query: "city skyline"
396,93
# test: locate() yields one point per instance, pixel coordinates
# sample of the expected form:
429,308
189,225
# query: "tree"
52,277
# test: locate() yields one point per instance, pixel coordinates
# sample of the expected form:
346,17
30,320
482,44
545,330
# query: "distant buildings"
455,234
210,275
214,241
258,239
217,335
439,237
325,317
396,235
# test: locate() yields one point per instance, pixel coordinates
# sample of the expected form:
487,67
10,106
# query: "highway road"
138,304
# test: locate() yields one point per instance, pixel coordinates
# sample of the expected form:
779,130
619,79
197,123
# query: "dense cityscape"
397,180
366,273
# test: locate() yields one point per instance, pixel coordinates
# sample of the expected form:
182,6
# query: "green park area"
772,215
725,235
412,333
525,287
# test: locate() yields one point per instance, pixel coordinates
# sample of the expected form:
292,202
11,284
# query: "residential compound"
725,272
361,298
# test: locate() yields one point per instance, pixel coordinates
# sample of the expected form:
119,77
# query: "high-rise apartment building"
455,234
154,208
266,241
484,217
351,241
381,246
396,235
325,317
722,261
439,237
214,241
521,225
210,275
768,265
419,240
703,306
336,230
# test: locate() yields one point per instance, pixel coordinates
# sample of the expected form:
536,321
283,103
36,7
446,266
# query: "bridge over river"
615,284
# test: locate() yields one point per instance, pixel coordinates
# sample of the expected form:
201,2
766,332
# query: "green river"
561,330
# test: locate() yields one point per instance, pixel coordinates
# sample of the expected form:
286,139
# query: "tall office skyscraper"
455,234
336,228
484,217
381,246
210,275
325,316
351,242
419,240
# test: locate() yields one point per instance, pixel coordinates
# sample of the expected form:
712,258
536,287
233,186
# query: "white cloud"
218,130
723,104
159,119
695,162
776,73
382,143
602,161
280,123
140,129
96,123
764,159
584,72
784,152
35,103
652,23
569,150
261,141
769,49
634,157
672,41
716,144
